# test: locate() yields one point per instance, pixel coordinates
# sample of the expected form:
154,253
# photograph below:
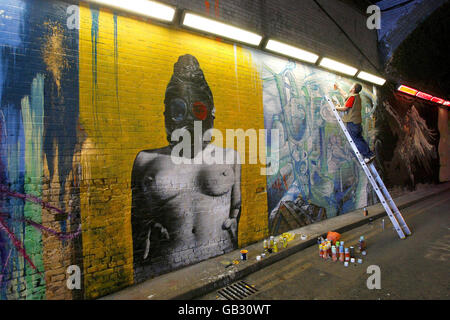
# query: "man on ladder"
351,126
353,119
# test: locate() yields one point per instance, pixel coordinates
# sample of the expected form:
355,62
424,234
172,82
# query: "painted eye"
199,110
178,109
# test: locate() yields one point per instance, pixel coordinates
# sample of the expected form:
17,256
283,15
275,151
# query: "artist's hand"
336,87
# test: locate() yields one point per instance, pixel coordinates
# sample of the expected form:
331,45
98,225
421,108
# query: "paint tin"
258,258
352,260
244,254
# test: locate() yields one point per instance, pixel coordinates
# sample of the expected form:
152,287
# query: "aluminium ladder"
380,189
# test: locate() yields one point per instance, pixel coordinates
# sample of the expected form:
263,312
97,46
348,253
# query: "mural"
184,212
38,112
316,162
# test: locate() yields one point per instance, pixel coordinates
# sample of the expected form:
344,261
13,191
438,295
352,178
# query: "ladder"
380,189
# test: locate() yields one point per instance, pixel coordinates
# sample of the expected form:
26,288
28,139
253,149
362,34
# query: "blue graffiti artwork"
38,120
316,161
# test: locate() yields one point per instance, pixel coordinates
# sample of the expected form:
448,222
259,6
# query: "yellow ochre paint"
125,66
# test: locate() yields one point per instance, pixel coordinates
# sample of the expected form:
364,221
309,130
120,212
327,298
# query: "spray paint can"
266,245
275,246
366,213
361,244
347,255
341,253
270,248
333,253
352,252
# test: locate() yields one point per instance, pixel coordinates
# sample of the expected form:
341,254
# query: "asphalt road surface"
414,268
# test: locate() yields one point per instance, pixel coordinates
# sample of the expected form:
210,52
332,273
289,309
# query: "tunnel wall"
83,128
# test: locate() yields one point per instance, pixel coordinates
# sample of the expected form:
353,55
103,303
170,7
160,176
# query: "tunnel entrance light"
371,78
337,66
146,8
287,50
221,29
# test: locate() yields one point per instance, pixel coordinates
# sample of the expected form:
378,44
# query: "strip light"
221,29
424,95
285,49
337,66
142,7
371,78
407,90
437,100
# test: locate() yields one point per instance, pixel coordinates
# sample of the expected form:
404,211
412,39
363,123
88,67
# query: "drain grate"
237,291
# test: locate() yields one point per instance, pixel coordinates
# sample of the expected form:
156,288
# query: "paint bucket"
244,254
258,258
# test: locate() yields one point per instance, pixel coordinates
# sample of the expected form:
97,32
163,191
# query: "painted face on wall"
188,98
185,105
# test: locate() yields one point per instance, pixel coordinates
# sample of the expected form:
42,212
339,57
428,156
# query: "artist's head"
356,88
188,98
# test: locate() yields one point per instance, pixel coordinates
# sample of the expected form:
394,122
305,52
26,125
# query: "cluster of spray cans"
273,245
338,252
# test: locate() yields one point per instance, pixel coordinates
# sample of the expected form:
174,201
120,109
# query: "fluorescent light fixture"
221,29
371,78
337,66
407,90
291,51
437,100
142,7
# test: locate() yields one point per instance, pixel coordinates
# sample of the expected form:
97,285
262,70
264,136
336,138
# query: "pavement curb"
221,276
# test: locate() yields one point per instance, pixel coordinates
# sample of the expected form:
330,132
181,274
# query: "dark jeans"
355,131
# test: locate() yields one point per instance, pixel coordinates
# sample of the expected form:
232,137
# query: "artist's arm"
348,104
342,92
340,108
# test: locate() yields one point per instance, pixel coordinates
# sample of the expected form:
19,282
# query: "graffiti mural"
407,142
38,136
184,212
316,161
